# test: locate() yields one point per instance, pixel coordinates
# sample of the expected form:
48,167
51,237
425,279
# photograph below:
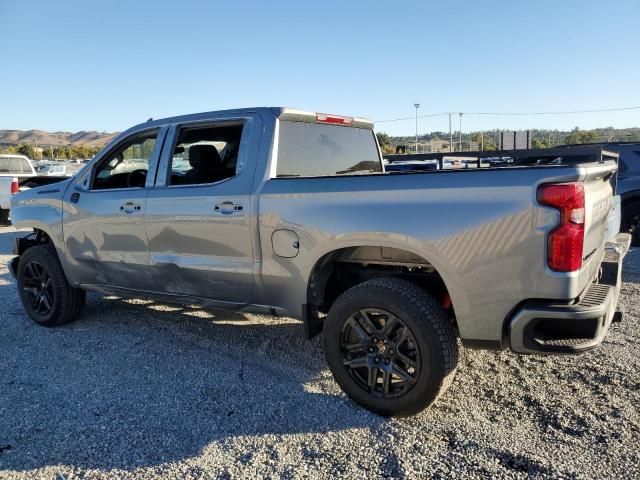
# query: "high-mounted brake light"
333,119
565,242
15,186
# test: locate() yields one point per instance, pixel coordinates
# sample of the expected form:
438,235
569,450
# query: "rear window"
313,150
26,168
12,165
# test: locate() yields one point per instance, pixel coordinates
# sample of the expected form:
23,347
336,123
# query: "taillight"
565,242
333,119
15,186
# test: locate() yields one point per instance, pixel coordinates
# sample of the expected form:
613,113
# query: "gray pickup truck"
284,212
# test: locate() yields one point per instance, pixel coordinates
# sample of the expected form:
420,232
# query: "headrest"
204,156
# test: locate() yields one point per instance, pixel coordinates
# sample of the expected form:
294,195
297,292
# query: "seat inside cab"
204,155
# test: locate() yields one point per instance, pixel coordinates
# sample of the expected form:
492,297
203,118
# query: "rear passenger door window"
205,154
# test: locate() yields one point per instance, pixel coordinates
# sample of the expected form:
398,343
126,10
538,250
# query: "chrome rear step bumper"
548,328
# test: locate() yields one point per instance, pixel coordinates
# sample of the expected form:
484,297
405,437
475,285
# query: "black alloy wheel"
390,346
36,282
45,293
380,352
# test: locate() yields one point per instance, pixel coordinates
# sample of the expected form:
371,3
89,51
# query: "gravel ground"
137,389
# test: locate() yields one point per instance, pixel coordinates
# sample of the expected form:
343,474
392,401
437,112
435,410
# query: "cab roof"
282,113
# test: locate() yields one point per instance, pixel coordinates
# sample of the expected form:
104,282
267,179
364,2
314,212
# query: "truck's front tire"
46,295
390,346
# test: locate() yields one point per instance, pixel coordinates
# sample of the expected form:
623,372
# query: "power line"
411,118
557,113
568,112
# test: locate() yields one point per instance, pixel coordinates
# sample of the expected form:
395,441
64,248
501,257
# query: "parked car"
8,187
18,170
59,169
39,165
296,216
17,166
629,187
417,166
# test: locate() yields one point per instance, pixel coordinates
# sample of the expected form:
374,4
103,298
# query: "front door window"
126,167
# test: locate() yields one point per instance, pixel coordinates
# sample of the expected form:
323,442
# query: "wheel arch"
42,234
342,267
37,237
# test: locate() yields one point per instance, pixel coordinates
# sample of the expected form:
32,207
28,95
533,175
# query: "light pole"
460,113
450,134
417,105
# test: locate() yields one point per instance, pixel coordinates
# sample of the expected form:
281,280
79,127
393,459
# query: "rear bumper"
548,328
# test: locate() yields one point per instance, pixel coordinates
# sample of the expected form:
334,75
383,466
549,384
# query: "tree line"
540,138
67,152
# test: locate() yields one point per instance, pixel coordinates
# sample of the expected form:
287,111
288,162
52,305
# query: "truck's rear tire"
390,346
4,217
46,295
631,222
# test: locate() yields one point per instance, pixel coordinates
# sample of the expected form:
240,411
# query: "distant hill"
42,138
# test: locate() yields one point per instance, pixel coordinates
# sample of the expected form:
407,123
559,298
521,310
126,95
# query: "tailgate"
5,192
598,189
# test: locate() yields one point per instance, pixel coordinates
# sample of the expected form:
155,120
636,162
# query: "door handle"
227,208
129,207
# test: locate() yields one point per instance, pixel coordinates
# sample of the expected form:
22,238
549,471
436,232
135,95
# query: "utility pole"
481,141
417,105
450,135
460,113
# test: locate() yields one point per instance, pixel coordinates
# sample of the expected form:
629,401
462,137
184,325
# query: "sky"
78,65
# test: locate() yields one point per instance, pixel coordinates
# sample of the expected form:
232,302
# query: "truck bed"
565,155
471,224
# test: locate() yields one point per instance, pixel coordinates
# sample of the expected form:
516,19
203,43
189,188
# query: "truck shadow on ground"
134,383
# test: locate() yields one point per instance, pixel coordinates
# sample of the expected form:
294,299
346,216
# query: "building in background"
442,146
520,140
